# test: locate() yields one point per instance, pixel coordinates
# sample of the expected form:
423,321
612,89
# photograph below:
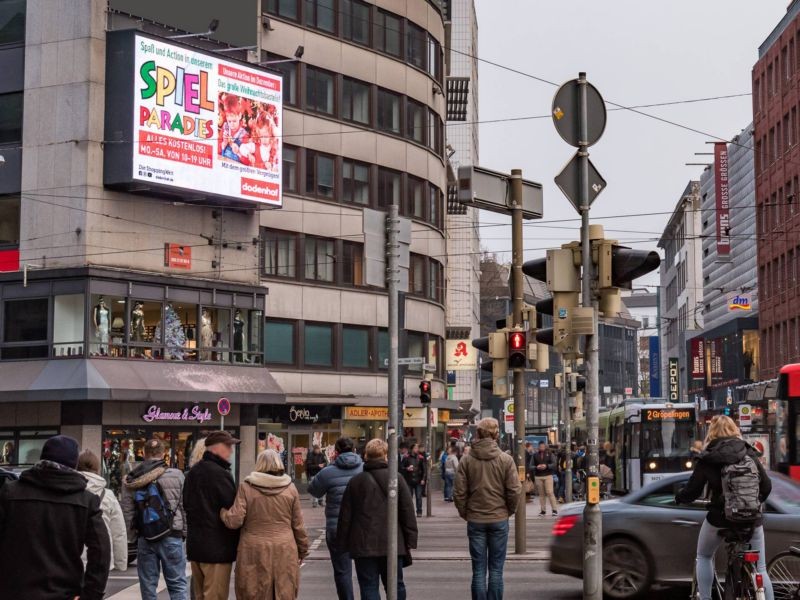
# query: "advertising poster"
655,367
206,124
698,358
759,441
722,198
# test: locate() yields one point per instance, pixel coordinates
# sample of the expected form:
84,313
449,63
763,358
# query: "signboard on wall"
740,302
655,367
9,260
302,414
366,413
722,197
461,356
698,358
177,256
673,372
415,417
190,123
715,357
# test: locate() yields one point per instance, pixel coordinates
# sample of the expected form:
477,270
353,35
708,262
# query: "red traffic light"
425,387
516,340
425,391
517,350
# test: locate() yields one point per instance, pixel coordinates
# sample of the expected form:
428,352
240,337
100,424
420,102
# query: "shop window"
388,111
8,448
355,21
283,8
10,117
25,326
30,445
416,45
388,33
321,14
383,348
214,338
253,323
9,219
106,326
279,253
355,101
416,198
180,331
355,182
319,259
289,169
352,263
69,318
388,188
318,345
320,87
416,348
415,121
416,275
145,329
319,174
12,21
279,347
289,71
355,347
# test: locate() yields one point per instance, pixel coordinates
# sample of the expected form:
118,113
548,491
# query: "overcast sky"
634,52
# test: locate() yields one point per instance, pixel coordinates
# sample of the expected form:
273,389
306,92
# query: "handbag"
528,486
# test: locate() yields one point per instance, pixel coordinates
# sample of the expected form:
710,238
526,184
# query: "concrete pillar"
247,450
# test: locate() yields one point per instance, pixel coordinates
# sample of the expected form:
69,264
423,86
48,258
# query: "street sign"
411,360
745,417
568,181
566,113
223,407
508,415
488,190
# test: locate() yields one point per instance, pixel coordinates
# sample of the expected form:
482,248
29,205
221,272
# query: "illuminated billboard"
180,121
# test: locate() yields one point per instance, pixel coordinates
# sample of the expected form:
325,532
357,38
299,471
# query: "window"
416,275
355,21
9,221
319,174
434,59
416,347
352,263
10,117
280,343
283,8
289,169
355,182
214,335
26,323
319,259
69,319
355,101
383,348
12,21
415,121
435,132
289,71
321,14
279,253
319,91
435,280
416,45
355,347
318,345
388,32
388,111
434,206
416,198
388,188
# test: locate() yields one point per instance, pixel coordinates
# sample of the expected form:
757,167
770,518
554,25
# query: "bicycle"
742,580
784,571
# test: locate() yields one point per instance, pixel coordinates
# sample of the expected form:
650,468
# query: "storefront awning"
136,381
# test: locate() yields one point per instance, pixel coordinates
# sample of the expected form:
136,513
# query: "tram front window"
667,433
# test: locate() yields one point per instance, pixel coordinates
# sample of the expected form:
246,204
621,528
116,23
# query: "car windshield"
785,493
667,437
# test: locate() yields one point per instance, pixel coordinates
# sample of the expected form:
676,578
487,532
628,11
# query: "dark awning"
136,381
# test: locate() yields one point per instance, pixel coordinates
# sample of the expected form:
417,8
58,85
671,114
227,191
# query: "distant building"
643,306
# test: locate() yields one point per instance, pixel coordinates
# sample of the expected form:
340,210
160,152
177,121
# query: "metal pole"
519,374
429,461
258,30
392,280
567,432
592,517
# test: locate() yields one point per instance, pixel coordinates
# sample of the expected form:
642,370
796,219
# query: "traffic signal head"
495,345
517,349
425,392
617,267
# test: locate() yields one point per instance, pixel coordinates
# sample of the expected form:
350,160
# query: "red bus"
787,423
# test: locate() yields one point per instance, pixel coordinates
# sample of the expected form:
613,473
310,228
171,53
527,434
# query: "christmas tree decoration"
175,337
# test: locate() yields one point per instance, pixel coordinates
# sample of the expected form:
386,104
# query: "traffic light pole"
519,374
567,432
592,517
429,460
392,282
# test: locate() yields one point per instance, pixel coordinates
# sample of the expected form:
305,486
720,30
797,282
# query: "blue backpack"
154,517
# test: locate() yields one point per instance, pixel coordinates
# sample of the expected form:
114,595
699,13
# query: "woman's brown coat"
273,539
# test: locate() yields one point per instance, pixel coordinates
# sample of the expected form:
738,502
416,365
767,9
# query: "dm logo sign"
740,302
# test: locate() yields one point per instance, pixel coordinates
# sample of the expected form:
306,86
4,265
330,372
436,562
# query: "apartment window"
355,347
416,45
388,34
434,280
434,206
416,347
9,220
355,21
355,182
318,345
283,8
319,174
280,342
355,101
434,59
320,89
416,198
416,275
320,259
289,169
12,21
435,132
388,188
10,118
279,253
415,121
289,72
321,14
352,263
388,111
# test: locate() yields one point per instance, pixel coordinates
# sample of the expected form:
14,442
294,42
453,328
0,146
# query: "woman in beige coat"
273,542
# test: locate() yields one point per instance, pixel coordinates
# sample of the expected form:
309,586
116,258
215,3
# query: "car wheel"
627,573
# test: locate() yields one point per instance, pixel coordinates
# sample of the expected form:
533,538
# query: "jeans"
166,554
342,567
562,485
707,543
372,571
416,491
449,480
487,547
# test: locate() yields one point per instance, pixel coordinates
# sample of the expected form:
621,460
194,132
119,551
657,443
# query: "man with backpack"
738,485
153,508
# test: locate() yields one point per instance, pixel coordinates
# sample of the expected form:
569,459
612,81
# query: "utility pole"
519,374
429,459
392,281
567,431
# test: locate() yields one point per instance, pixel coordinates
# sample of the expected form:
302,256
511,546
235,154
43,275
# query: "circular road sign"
566,113
223,407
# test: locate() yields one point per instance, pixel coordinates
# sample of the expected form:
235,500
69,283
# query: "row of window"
777,141
778,75
341,347
780,275
781,344
367,25
303,257
341,97
776,212
328,177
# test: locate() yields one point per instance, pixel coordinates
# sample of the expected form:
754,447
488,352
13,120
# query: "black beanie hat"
61,449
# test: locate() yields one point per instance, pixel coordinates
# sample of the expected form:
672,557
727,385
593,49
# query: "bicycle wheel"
784,572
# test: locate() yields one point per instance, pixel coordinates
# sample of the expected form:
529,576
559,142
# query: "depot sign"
674,375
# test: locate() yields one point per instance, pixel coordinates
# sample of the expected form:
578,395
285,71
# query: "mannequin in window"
238,336
100,317
206,335
137,326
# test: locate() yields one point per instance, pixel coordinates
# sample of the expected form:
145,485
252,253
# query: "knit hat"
61,449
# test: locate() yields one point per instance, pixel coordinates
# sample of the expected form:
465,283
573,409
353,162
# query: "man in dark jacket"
361,529
46,519
210,546
543,467
412,468
331,483
314,463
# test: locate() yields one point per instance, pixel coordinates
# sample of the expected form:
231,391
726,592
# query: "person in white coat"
89,467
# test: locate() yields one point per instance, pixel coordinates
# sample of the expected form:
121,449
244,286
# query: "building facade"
681,289
642,305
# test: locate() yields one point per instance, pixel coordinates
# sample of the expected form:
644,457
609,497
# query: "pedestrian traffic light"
517,349
425,391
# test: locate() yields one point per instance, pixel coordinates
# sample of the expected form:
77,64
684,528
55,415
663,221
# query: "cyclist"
723,446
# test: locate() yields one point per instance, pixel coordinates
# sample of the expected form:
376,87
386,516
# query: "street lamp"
212,27
298,54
